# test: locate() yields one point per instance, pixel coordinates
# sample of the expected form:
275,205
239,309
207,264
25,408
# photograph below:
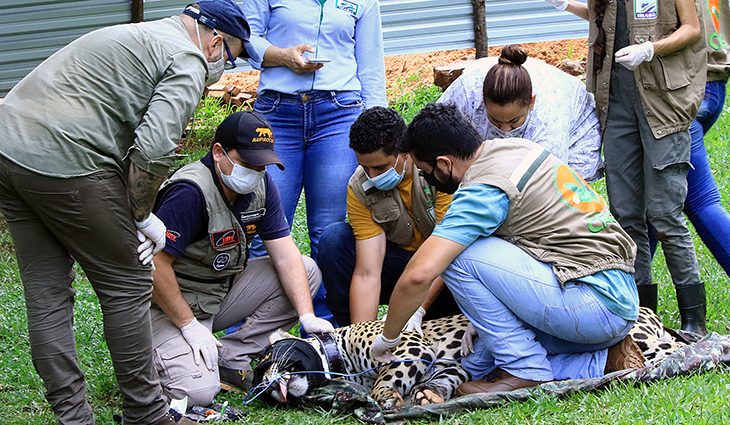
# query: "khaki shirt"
125,91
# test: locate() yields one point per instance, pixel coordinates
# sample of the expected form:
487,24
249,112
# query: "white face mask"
494,132
242,180
215,69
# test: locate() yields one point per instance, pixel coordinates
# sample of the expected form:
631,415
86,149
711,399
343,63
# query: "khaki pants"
54,221
257,297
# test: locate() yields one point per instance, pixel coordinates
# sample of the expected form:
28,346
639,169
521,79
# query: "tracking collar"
331,353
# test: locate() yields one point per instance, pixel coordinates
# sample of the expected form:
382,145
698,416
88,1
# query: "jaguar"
427,369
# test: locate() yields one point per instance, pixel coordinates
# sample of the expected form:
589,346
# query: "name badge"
646,9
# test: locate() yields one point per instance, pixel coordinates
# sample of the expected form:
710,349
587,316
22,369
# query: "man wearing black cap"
203,280
87,138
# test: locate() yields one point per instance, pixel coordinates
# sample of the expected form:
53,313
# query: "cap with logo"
222,15
249,134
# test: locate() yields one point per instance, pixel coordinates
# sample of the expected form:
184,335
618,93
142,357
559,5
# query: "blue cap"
222,15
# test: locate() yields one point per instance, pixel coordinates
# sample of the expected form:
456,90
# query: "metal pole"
480,27
137,11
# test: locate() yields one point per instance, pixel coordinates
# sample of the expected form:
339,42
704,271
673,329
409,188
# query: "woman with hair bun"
517,96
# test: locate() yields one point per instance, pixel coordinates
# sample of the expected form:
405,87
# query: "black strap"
331,352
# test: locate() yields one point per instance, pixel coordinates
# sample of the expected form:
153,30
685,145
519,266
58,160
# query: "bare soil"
405,72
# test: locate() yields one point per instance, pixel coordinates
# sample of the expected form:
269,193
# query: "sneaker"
496,382
173,417
624,355
235,379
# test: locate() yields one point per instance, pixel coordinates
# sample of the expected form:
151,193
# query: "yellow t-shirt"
364,227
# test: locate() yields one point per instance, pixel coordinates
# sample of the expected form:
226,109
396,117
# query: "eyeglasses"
231,62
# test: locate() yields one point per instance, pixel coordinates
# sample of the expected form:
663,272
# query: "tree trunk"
137,11
480,27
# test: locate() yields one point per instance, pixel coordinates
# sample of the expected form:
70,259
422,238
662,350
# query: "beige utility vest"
717,30
671,87
391,214
207,267
553,214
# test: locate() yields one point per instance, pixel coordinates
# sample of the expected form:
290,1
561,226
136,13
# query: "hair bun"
513,54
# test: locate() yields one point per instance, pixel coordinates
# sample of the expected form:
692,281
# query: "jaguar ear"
278,335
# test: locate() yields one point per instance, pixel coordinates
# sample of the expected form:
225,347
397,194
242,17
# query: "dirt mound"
404,72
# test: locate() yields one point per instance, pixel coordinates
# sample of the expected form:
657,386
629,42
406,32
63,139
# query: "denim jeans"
338,265
311,133
703,206
527,323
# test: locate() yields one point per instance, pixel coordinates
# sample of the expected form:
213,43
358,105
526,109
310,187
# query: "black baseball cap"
223,15
249,134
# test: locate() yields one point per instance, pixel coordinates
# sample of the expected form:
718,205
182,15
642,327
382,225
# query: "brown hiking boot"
495,382
173,418
236,380
624,355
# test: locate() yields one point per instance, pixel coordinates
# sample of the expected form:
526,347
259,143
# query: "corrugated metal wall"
32,30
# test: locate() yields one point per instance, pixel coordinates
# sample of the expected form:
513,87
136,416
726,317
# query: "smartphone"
318,60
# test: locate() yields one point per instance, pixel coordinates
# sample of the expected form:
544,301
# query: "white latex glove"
203,343
154,229
382,348
558,4
632,56
414,323
145,249
313,324
467,341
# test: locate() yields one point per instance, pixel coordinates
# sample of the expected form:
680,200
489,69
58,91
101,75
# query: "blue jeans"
338,264
312,137
527,324
703,205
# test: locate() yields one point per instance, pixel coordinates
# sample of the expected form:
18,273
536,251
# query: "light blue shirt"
346,31
477,211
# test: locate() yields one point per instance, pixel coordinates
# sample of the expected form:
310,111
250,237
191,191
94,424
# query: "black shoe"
648,296
173,418
235,379
692,308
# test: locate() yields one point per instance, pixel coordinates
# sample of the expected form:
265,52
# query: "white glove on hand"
632,56
382,348
313,324
558,4
203,343
154,229
414,323
467,341
145,249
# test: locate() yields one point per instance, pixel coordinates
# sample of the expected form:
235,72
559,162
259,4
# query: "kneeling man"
203,280
531,254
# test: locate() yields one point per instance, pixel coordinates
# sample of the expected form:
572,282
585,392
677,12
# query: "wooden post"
137,11
480,27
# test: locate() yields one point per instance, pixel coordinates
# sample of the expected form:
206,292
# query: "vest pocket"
385,215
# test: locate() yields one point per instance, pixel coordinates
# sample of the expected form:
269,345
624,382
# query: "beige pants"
257,297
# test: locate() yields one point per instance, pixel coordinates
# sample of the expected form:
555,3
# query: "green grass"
700,399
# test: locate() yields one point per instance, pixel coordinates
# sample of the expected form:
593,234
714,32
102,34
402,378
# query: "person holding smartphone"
321,65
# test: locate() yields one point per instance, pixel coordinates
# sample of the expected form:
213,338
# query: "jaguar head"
288,370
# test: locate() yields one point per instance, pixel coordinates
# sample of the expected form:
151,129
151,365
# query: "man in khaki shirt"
87,138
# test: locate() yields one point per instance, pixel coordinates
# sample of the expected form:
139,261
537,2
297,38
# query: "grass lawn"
700,399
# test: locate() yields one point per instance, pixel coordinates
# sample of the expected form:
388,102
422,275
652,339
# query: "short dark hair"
508,81
377,128
440,129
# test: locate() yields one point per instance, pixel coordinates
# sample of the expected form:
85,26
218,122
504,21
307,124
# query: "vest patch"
248,217
579,196
172,235
347,6
221,261
646,9
225,239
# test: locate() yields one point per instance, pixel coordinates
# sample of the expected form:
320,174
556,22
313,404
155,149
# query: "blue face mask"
389,179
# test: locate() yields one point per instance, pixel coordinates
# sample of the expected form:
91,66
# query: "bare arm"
142,189
578,9
291,272
687,33
166,291
365,285
433,292
427,264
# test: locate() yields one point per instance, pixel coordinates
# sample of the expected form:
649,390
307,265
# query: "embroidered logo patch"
264,136
646,9
221,261
347,6
579,196
225,239
172,235
248,217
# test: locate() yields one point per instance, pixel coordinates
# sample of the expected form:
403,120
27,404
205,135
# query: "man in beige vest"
203,280
391,211
530,253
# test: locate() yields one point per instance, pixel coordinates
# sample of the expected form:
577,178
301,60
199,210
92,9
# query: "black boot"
692,308
648,296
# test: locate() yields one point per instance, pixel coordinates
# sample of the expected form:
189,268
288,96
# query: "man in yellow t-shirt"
392,210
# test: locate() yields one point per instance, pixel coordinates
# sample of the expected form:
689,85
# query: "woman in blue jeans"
321,64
